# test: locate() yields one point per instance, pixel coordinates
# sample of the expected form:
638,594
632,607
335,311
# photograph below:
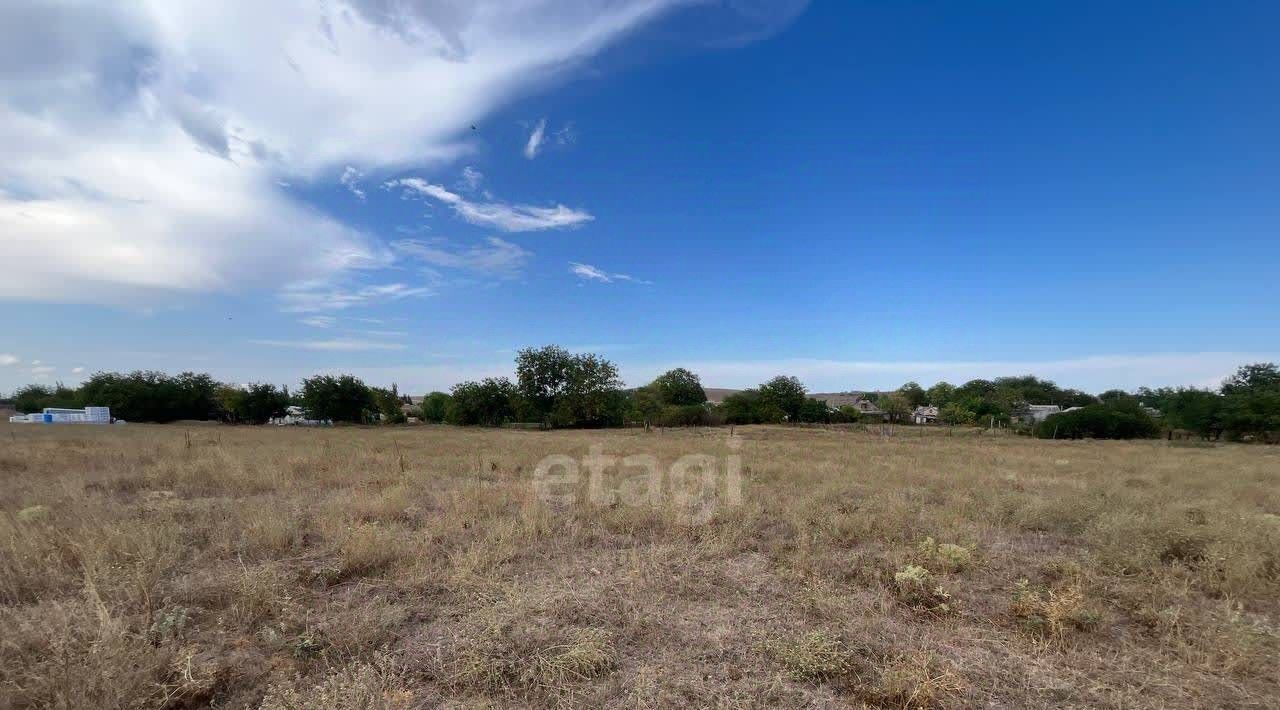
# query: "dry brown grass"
403,568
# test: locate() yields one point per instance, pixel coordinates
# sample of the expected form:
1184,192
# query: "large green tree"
914,394
560,388
646,405
941,394
488,402
679,387
259,402
955,414
896,405
34,398
343,398
151,396
389,404
542,376
1257,378
786,395
1251,401
435,407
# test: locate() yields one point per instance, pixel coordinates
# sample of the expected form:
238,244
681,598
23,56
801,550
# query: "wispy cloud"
181,129
333,345
6,359
77,370
351,180
43,370
588,272
310,297
319,321
503,216
534,145
567,135
471,179
495,256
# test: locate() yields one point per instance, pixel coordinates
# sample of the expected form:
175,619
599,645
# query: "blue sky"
858,193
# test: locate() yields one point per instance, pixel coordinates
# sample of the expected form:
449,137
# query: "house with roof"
868,409
925,415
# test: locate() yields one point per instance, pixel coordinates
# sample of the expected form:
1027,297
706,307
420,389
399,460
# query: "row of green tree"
148,396
1246,406
559,389
556,388
978,401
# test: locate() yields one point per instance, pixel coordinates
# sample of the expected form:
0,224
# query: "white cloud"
496,256
471,179
43,370
1092,374
534,145
507,217
77,370
319,321
591,273
310,297
6,359
147,143
335,345
567,135
351,180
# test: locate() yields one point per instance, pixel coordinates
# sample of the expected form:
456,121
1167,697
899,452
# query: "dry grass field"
148,566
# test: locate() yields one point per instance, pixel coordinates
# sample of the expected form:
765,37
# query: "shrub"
915,587
1051,612
688,415
955,413
379,685
749,407
1115,420
435,407
950,557
919,680
817,656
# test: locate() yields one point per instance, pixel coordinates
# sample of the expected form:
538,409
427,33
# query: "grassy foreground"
146,566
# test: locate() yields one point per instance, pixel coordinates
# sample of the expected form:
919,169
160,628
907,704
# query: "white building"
1035,413
297,416
57,415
